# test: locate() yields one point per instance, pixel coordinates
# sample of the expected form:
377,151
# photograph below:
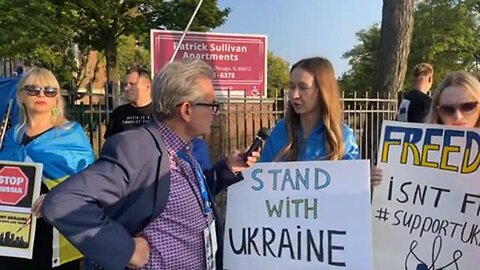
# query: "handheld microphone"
262,135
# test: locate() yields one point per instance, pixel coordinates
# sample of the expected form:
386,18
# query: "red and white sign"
239,61
13,185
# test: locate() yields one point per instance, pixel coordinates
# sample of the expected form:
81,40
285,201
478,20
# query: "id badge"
210,239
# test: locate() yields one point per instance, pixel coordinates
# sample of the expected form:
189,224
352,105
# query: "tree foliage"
278,75
30,30
446,34
362,59
131,53
44,30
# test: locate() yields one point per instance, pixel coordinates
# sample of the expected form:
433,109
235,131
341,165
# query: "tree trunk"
395,39
390,68
112,68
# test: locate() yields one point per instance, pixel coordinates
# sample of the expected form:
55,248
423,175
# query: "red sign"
239,61
13,185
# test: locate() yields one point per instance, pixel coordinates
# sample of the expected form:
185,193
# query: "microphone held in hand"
262,135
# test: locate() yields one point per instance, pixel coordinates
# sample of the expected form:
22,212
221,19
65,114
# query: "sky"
304,28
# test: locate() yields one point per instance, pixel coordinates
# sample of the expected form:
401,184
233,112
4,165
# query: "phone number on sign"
225,75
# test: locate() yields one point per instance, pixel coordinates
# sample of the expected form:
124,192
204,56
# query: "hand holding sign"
37,205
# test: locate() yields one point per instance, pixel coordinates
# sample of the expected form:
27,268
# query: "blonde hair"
42,76
422,69
459,78
330,111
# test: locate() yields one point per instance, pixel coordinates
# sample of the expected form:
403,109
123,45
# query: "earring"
55,111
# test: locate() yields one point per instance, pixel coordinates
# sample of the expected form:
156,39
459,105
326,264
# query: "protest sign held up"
19,188
425,213
300,215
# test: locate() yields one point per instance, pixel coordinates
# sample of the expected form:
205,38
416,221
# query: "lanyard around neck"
201,180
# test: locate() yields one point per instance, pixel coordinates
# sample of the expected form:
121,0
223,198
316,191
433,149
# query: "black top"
27,139
414,107
126,117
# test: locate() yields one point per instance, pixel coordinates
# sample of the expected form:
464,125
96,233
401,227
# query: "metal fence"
365,114
240,118
7,67
91,111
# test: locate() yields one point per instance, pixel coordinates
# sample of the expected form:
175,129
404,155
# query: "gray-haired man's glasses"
214,106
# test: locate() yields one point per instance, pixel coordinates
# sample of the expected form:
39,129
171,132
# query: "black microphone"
262,135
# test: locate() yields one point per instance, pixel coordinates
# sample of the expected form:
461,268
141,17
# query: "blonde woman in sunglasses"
456,101
45,136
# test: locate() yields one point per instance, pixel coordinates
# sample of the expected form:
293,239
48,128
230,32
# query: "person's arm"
219,177
229,171
350,143
201,153
77,206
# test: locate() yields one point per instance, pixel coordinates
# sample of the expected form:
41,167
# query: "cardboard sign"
425,213
300,215
19,188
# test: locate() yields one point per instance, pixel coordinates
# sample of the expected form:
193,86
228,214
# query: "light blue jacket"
313,148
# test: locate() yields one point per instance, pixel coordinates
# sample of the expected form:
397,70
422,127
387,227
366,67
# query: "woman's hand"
37,205
376,176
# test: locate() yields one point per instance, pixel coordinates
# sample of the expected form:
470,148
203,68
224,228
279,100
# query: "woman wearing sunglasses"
45,136
456,101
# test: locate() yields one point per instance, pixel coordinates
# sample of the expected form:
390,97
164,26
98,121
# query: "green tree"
445,34
278,75
362,59
131,53
29,24
30,30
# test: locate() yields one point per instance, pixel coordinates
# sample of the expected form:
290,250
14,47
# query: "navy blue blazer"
99,209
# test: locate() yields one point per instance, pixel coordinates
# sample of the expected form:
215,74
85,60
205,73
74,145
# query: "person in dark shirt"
416,103
139,108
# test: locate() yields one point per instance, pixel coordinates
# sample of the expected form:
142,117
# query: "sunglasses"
34,90
464,108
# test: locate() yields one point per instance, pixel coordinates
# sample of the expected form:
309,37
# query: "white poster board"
19,188
300,215
425,214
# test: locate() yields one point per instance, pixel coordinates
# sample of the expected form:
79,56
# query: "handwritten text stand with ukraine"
300,215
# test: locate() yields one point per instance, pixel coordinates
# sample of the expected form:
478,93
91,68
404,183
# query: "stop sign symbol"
13,185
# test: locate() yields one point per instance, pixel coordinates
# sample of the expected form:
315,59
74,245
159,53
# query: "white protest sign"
300,215
20,184
425,214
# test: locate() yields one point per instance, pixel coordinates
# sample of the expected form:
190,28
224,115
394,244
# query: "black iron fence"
240,118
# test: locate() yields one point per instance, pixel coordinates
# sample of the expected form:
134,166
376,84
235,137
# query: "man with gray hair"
145,203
